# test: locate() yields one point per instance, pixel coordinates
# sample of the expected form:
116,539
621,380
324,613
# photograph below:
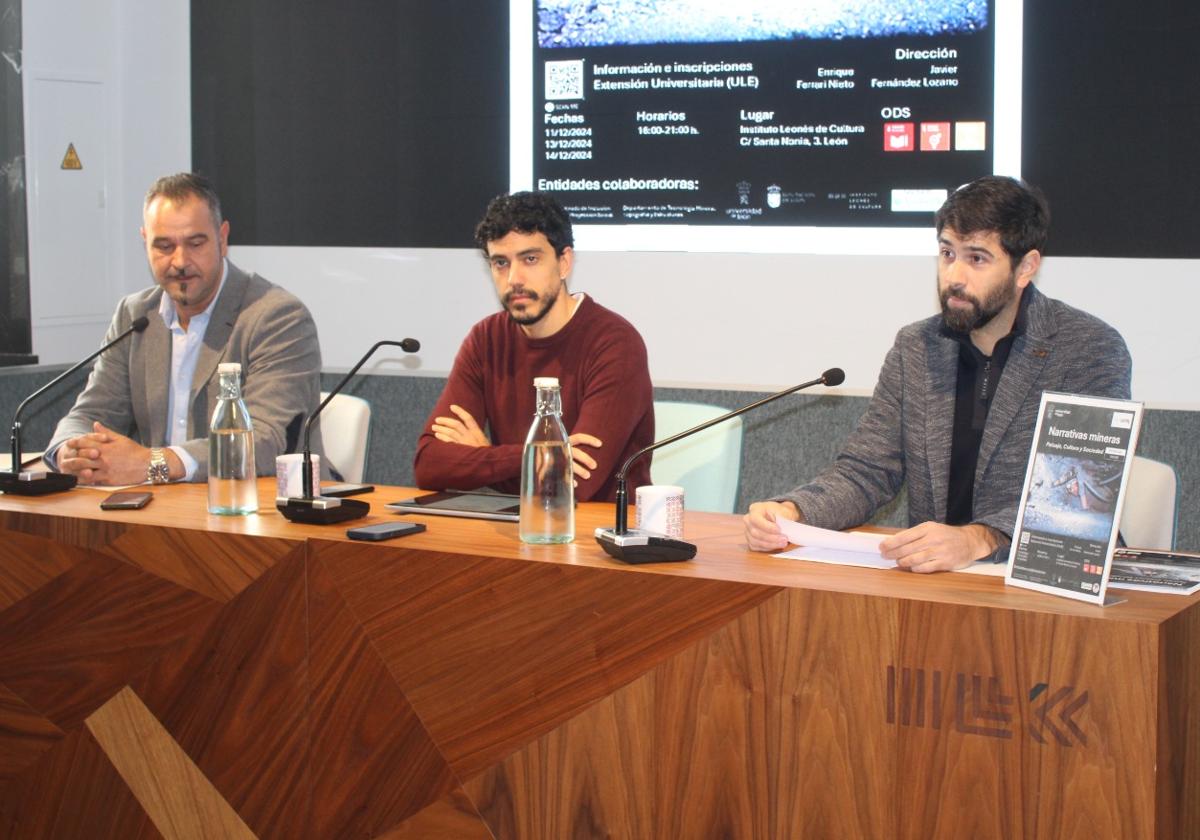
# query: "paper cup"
660,509
289,477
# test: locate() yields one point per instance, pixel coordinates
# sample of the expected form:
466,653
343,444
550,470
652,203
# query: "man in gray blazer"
953,412
145,412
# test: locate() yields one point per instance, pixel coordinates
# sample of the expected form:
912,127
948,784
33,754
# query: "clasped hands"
103,456
462,429
928,547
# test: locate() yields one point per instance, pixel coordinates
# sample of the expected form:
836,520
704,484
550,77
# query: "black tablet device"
476,505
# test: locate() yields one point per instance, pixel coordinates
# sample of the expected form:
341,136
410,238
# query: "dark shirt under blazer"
904,438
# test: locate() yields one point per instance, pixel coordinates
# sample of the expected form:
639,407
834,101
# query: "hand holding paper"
825,546
850,549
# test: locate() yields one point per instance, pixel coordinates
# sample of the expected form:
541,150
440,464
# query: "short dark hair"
1011,208
184,185
525,212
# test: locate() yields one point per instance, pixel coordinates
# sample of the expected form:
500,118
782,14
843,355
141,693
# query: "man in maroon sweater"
598,357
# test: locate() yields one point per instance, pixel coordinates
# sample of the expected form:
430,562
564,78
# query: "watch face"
158,472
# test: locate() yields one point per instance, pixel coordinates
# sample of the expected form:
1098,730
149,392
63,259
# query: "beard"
184,287
183,284
981,311
535,309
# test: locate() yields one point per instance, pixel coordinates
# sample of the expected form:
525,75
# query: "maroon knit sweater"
600,362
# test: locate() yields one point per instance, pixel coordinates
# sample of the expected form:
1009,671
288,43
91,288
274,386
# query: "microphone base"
637,547
321,510
38,483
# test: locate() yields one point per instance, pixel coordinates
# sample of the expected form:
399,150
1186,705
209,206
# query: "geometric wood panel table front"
164,673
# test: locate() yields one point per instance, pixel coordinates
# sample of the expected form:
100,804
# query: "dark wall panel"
385,122
1111,121
374,123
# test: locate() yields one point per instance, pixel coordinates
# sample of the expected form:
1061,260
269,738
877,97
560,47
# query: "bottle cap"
545,382
229,367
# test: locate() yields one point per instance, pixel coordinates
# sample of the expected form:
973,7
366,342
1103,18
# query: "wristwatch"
158,472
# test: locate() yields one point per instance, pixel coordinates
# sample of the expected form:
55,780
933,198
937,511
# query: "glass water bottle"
547,480
232,478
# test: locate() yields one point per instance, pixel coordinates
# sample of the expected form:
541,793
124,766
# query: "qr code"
564,79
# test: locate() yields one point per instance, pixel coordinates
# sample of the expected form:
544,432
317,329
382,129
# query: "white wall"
138,53
728,320
722,320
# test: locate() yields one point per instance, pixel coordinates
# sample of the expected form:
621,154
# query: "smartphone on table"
384,531
127,500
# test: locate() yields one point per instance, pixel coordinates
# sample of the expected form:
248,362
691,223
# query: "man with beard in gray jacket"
953,412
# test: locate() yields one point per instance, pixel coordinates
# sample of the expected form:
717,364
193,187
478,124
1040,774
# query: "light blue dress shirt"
185,352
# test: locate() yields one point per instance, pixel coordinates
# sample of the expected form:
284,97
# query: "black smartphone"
126,500
340,490
384,531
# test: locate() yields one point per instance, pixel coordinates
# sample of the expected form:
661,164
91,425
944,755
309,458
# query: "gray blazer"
258,324
904,436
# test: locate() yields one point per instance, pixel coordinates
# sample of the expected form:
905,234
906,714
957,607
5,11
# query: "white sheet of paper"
810,537
986,568
822,545
6,459
112,488
838,557
855,548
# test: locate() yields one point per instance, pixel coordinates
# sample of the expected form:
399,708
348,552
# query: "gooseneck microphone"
633,546
41,482
327,510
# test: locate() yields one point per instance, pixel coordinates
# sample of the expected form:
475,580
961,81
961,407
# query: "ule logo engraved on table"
916,697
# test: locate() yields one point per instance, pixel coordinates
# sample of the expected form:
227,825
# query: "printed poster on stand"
1074,490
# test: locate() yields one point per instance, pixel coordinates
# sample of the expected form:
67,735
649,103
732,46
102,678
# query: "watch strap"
158,471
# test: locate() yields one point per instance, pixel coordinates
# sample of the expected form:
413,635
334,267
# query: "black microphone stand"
633,546
327,510
41,482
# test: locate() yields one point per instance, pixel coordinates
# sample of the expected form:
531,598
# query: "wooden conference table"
168,673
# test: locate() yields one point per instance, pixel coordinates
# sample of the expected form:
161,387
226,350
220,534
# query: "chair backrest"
707,465
1151,508
345,424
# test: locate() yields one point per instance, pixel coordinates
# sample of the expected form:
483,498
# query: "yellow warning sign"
71,158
